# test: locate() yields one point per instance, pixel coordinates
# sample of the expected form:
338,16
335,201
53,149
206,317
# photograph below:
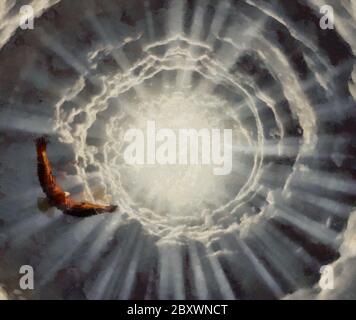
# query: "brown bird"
56,197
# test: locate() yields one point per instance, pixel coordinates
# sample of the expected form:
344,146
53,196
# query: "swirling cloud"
264,69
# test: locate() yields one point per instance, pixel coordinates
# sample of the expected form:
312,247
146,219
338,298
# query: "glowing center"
177,188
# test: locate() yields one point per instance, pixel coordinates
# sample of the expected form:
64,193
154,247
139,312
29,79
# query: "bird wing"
87,209
54,192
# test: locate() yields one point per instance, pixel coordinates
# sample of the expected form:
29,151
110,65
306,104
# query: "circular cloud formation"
266,70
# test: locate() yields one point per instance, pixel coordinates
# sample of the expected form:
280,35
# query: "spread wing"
56,196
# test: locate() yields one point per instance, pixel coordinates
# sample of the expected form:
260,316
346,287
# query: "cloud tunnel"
89,71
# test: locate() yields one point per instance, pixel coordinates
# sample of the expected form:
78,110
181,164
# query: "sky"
85,74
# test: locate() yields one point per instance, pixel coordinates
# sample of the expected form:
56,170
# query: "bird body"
54,193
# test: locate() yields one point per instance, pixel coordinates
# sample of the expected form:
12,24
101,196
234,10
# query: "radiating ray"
201,288
117,53
149,19
105,234
224,285
68,57
20,232
261,270
105,281
184,79
294,248
312,228
62,249
279,257
126,289
175,17
250,65
35,124
223,10
171,284
327,206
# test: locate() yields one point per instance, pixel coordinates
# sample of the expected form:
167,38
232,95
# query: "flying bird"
56,197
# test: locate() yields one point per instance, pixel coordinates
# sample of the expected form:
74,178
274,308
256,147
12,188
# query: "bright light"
174,189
